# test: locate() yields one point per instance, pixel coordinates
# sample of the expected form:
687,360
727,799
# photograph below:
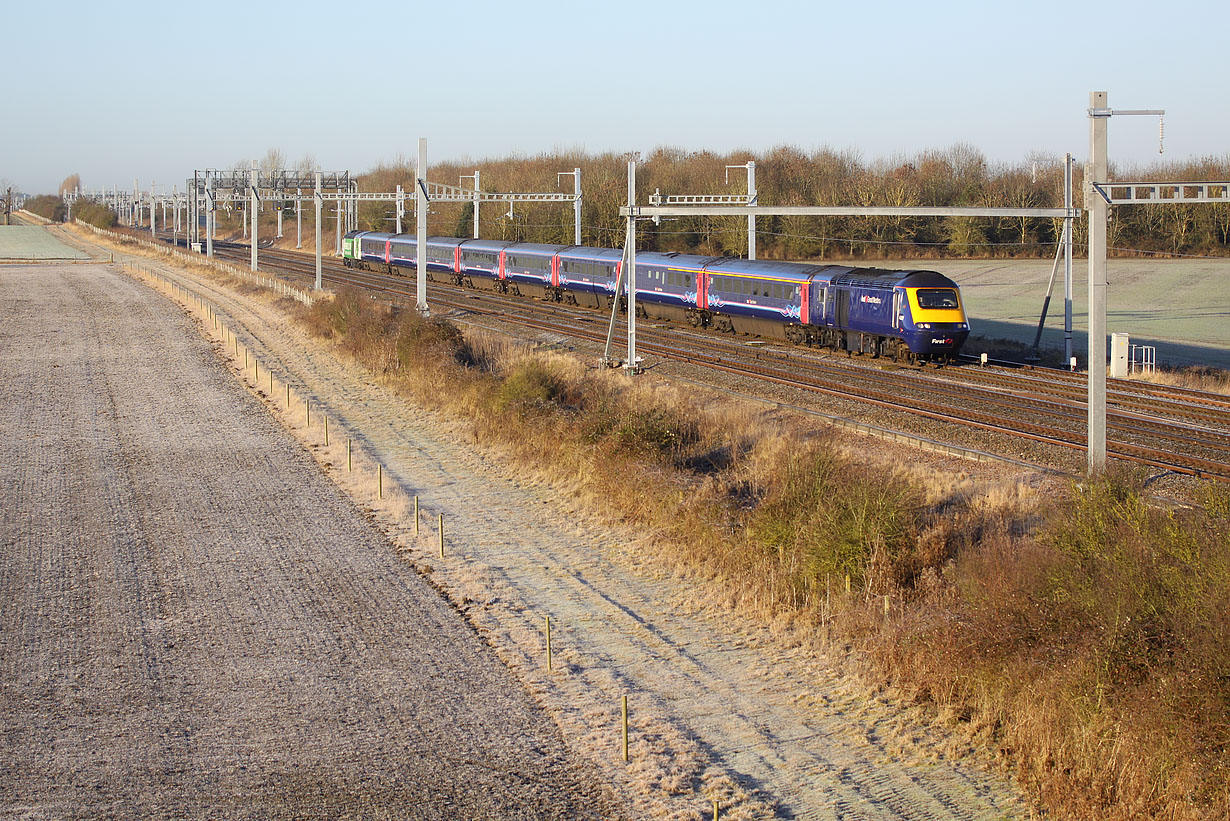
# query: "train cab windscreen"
937,298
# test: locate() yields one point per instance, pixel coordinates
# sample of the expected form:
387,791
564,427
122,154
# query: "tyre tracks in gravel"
719,710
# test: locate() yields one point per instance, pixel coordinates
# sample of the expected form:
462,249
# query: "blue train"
908,315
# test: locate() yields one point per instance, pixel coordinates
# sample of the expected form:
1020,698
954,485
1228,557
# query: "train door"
500,265
817,303
555,270
388,251
898,320
702,290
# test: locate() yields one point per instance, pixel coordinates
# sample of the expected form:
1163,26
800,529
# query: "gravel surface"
195,622
720,708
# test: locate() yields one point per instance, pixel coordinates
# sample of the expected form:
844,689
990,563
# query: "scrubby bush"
97,215
1095,650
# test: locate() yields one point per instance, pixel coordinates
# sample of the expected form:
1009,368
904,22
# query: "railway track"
1174,429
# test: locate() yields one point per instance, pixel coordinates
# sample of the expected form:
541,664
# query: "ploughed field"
194,621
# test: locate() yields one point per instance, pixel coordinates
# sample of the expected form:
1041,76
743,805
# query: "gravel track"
719,709
195,622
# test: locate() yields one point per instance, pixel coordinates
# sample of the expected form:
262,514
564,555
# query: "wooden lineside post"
416,515
549,667
380,480
256,370
441,535
307,411
326,430
270,383
288,395
625,722
715,809
349,463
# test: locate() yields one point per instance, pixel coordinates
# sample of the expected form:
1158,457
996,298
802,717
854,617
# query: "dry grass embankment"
1083,637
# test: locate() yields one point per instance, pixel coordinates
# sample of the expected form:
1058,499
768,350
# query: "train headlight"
926,326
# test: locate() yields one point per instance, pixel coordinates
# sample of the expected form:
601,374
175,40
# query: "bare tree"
71,183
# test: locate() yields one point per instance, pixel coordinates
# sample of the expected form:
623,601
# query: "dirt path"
719,709
195,622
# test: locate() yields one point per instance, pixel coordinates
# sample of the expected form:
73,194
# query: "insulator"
1161,134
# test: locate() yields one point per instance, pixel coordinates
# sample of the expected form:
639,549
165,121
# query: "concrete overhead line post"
319,203
420,216
576,205
1097,207
474,213
209,214
254,209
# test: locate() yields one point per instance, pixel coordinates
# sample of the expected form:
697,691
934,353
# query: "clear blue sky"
117,90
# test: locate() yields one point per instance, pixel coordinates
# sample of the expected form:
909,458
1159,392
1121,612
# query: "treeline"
957,176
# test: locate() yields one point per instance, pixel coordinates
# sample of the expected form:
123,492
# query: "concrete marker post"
416,515
379,480
349,464
441,535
